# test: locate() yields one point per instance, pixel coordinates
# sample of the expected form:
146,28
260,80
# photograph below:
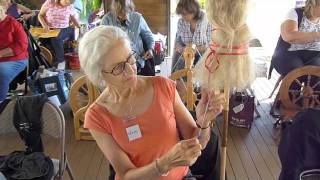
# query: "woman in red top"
140,123
13,49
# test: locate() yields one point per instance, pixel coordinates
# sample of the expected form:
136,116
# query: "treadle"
277,124
281,123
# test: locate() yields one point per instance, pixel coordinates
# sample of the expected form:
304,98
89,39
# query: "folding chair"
53,125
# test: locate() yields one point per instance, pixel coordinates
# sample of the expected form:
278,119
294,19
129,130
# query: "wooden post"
188,56
225,131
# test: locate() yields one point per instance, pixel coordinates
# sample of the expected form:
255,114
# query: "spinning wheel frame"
188,56
82,85
78,100
307,93
45,52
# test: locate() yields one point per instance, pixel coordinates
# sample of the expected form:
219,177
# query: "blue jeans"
57,43
286,61
8,71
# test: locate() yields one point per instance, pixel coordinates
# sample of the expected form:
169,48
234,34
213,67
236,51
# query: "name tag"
133,132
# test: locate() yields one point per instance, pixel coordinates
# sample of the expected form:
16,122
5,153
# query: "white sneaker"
62,65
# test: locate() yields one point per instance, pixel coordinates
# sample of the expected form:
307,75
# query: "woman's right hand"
184,153
179,48
46,28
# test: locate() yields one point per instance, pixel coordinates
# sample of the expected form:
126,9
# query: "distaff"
226,64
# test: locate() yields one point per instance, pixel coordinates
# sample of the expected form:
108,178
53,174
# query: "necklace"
129,116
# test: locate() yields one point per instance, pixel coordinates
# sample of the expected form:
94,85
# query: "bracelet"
158,169
202,127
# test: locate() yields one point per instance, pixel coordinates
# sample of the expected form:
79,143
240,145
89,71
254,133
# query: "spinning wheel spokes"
316,84
298,82
300,88
309,79
296,95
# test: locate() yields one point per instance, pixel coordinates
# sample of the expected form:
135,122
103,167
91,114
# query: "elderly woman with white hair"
140,123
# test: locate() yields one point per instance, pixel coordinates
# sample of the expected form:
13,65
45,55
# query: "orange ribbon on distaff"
213,56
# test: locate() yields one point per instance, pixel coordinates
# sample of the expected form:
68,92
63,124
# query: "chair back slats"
53,125
52,120
6,119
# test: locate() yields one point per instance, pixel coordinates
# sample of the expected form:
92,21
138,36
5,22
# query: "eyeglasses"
120,67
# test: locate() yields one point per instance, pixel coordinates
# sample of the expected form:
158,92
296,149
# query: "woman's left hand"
215,106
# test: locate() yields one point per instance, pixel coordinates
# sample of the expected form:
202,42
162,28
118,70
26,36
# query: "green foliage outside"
202,3
88,7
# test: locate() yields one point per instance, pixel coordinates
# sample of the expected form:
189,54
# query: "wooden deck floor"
252,154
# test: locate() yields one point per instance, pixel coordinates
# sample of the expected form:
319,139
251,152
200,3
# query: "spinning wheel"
79,94
46,53
82,94
190,96
300,90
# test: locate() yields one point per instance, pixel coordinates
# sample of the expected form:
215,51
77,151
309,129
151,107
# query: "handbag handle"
244,97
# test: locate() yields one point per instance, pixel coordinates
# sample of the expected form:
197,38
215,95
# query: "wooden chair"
82,94
300,89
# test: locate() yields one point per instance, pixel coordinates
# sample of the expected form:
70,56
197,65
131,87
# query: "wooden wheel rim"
74,91
46,53
290,78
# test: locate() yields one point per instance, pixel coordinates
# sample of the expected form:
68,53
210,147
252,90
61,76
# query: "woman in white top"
299,44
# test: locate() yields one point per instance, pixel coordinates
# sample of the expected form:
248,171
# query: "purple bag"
241,109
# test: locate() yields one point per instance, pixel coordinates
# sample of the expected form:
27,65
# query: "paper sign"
238,108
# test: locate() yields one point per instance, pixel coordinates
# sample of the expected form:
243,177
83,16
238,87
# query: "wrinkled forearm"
146,172
203,135
301,37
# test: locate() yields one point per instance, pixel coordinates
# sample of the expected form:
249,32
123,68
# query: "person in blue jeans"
299,43
58,15
122,15
13,49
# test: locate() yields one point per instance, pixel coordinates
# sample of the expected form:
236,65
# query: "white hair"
93,47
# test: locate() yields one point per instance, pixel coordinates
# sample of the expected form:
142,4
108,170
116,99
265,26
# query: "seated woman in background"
138,121
194,28
19,11
123,16
57,14
13,49
299,44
